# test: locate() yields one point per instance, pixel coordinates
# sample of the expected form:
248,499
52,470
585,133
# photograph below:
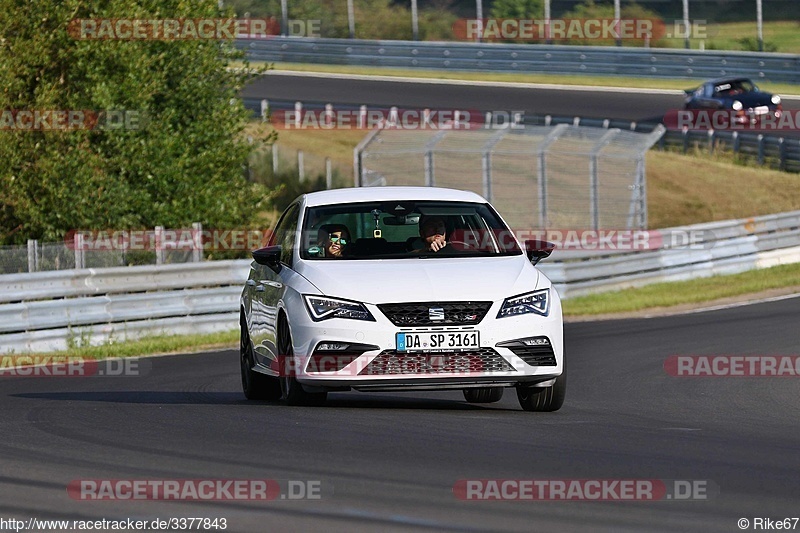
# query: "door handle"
260,288
250,283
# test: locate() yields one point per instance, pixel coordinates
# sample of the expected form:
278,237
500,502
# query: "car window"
746,86
382,230
723,89
285,233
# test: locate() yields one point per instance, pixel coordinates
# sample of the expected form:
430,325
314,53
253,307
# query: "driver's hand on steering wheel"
437,243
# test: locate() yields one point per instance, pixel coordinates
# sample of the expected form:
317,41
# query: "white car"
349,296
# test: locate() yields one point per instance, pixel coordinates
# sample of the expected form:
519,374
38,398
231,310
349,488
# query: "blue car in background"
739,96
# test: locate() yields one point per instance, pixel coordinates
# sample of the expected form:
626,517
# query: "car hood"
410,280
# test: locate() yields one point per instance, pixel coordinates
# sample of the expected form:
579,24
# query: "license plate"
761,110
438,341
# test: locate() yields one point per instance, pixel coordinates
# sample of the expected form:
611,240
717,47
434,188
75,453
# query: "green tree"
518,9
605,10
375,19
182,163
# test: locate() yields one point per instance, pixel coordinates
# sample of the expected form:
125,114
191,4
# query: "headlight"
776,99
737,105
537,302
323,308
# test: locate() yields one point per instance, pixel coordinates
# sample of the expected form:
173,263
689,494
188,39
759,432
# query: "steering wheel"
461,245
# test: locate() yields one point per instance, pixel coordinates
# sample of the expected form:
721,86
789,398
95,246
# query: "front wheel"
256,386
483,395
291,389
544,398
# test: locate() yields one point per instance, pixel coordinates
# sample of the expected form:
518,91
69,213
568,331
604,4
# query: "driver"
433,231
334,239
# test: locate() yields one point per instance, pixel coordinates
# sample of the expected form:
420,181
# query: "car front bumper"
369,358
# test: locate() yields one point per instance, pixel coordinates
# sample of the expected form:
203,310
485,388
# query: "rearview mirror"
537,249
401,220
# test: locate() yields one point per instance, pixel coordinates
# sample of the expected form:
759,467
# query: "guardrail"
45,311
553,59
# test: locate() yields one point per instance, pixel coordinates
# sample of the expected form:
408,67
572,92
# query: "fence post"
328,174
761,149
197,239
274,159
541,170
782,154
264,110
159,231
301,169
362,117
711,135
685,140
429,168
430,179
736,142
298,111
33,256
77,241
486,159
594,194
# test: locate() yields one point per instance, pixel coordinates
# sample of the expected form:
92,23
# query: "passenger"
334,240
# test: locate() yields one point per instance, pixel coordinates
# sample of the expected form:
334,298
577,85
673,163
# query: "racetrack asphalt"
641,106
389,461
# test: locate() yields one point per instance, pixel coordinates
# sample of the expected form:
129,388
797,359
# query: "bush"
285,185
750,44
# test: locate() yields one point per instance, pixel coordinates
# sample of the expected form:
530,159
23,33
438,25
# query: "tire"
544,398
483,395
292,391
256,386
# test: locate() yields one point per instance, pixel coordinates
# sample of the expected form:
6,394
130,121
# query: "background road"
640,106
392,459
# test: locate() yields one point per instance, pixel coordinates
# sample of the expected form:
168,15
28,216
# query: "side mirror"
269,256
538,250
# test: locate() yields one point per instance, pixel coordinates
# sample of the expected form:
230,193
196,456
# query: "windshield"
404,229
734,87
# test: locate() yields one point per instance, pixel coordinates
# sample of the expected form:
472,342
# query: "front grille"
535,355
479,361
419,314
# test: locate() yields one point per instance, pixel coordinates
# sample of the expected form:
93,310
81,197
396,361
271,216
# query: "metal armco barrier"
45,311
554,59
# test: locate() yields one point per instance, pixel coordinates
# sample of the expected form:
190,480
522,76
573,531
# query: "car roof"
390,193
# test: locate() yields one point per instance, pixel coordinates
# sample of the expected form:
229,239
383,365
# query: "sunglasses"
338,240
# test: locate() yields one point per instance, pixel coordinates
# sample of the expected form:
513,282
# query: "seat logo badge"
436,313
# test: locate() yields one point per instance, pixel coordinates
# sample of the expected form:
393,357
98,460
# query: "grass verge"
682,293
155,344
